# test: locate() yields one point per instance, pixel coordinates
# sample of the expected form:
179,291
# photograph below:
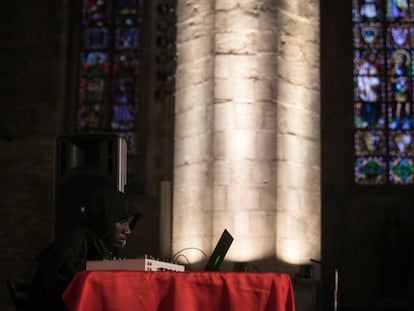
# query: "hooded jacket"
63,258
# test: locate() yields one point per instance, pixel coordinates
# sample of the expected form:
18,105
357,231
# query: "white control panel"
138,264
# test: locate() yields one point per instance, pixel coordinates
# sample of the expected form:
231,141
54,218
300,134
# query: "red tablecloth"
183,291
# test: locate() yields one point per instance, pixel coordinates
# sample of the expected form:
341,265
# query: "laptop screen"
219,252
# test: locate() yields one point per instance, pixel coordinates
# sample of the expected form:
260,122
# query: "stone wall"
356,221
31,112
36,106
39,62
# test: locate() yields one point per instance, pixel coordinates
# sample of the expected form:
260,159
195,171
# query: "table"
184,291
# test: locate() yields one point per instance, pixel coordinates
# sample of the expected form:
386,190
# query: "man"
110,219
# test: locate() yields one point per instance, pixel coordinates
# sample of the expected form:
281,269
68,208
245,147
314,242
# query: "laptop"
219,252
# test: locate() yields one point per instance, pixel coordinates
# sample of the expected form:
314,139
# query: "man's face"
120,232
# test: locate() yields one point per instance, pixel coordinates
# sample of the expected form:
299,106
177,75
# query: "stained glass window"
383,97
108,98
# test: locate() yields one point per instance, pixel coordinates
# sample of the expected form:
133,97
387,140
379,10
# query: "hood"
107,206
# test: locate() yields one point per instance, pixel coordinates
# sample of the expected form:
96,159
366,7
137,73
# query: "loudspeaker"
84,163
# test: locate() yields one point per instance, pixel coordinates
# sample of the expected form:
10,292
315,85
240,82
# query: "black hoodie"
64,257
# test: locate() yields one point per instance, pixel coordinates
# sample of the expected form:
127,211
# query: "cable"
190,268
188,248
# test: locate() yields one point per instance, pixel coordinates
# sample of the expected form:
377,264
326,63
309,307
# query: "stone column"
193,151
247,146
244,129
298,234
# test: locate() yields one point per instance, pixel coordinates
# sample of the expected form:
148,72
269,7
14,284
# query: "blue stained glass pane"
367,9
399,62
399,95
123,110
127,21
402,170
93,90
126,38
368,91
368,35
400,89
94,64
370,170
124,91
91,117
401,142
369,143
96,38
398,35
126,64
123,117
400,116
369,116
399,9
368,62
127,6
94,12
